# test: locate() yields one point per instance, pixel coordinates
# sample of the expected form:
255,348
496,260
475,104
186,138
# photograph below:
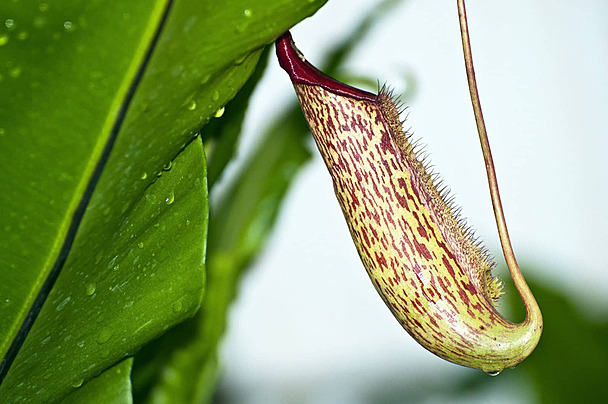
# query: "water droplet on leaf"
91,287
239,61
192,105
177,306
9,23
104,336
170,198
220,112
61,305
112,261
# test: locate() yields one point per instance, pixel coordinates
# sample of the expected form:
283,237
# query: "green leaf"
97,98
111,387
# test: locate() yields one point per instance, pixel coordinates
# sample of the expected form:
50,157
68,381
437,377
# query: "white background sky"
308,326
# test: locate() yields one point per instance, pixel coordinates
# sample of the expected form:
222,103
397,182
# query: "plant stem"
533,314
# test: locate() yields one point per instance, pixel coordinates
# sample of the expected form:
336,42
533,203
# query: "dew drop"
104,336
91,287
3,39
177,306
220,112
192,105
9,23
80,344
215,96
170,198
168,166
61,305
239,61
248,13
492,372
68,25
205,78
77,383
112,262
144,176
140,244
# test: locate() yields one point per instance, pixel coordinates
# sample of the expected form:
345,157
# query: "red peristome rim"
302,72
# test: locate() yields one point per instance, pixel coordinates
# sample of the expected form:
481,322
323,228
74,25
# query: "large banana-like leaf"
97,100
